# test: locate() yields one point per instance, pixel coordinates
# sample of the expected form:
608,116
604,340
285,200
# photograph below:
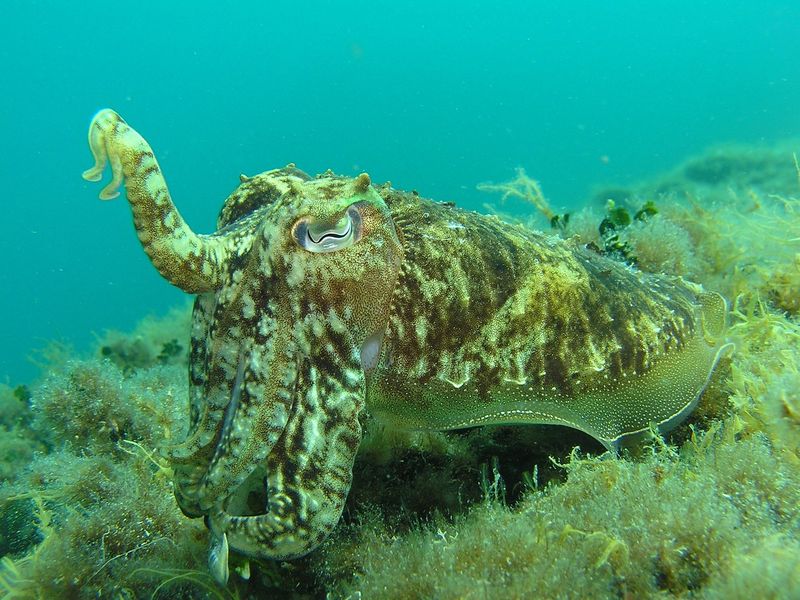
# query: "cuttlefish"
323,299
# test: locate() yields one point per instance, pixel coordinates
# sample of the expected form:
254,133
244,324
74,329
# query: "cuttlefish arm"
291,447
309,470
189,261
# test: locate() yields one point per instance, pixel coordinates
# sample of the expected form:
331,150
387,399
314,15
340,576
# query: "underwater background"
434,96
684,112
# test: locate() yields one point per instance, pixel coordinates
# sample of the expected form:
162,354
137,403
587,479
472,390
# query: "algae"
86,504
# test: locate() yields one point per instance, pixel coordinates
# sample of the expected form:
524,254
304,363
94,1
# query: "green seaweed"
86,505
611,230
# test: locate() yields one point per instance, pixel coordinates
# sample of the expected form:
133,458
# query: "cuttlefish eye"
324,236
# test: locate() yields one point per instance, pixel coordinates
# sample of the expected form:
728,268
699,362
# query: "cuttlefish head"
279,359
341,250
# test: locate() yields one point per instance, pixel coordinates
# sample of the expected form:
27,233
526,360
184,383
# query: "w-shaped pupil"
330,234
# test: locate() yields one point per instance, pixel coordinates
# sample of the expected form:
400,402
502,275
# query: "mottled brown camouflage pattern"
426,315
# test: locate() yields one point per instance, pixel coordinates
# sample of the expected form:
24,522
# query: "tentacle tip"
218,558
92,174
104,113
107,194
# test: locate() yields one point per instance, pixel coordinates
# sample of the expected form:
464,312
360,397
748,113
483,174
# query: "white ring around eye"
324,238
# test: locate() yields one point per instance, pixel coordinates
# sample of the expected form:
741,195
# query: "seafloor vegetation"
86,506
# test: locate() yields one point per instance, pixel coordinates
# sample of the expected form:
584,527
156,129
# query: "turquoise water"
435,96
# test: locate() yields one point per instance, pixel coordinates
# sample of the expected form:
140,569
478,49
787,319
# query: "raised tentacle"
194,263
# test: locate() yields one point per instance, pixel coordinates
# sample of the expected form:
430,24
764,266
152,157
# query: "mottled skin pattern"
320,298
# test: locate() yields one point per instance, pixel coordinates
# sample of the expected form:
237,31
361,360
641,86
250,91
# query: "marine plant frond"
657,445
757,324
52,354
523,187
30,496
702,443
44,518
136,449
128,553
195,577
12,583
612,548
574,461
493,487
